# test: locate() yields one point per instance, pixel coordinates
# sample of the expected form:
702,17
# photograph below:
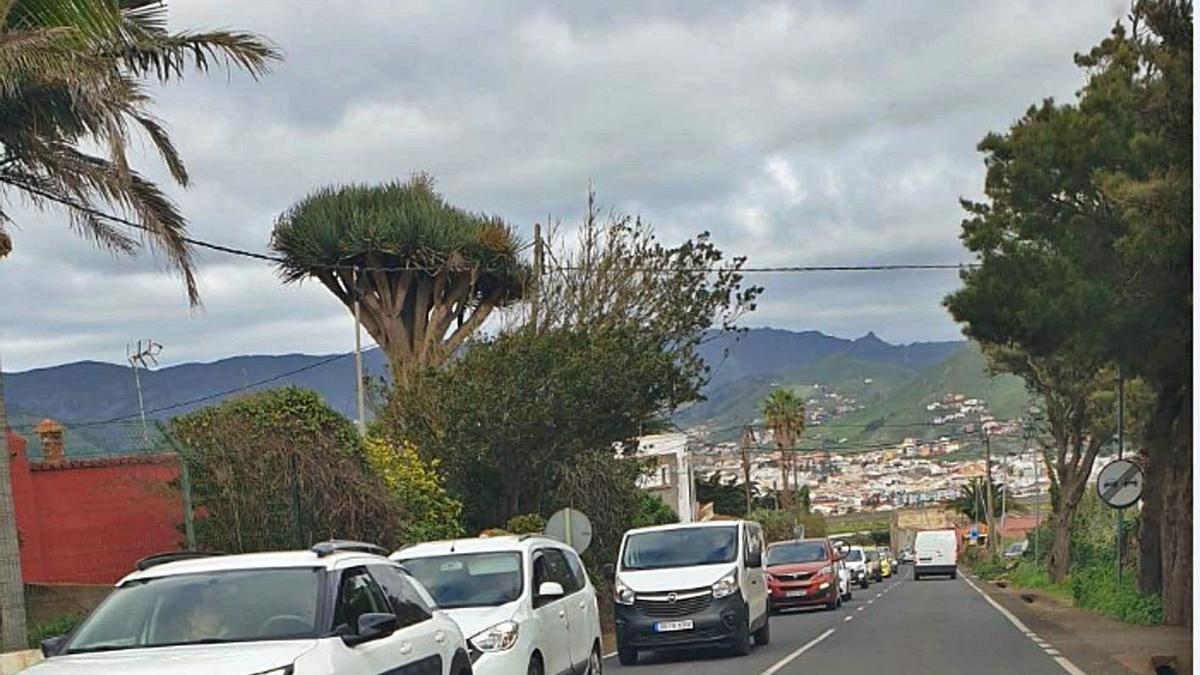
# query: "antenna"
139,353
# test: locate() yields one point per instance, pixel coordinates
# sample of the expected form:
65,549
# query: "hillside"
886,384
964,372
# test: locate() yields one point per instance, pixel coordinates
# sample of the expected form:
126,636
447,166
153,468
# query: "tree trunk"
1177,521
12,588
1059,563
1150,530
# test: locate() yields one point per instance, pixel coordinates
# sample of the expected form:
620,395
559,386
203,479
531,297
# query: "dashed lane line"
1046,647
779,665
849,618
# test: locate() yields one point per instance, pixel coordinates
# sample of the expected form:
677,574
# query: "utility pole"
1120,455
535,305
12,586
1037,490
747,441
138,354
361,422
987,445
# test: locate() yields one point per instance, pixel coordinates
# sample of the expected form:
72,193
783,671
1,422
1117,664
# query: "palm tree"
972,500
427,274
72,76
784,412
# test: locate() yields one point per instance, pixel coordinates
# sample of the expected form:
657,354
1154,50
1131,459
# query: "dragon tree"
428,274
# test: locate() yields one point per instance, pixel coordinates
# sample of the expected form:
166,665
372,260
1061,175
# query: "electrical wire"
266,257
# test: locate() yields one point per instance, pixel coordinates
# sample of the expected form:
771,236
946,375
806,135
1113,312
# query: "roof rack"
171,556
332,546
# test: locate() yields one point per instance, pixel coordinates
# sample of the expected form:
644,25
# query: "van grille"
685,603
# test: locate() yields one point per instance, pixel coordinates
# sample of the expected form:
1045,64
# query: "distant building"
672,478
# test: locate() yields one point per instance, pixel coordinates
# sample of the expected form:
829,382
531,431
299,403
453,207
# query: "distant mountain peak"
870,337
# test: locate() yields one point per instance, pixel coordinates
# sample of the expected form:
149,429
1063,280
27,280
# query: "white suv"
337,608
525,602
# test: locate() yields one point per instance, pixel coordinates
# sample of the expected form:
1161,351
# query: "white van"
936,553
690,585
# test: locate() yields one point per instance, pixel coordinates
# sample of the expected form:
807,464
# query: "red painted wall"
89,521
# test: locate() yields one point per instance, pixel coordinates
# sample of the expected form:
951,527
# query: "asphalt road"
896,627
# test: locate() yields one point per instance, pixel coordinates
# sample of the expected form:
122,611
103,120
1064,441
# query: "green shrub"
527,523
53,628
1095,587
652,511
780,525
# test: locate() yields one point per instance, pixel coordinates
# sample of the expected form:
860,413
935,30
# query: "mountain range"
889,385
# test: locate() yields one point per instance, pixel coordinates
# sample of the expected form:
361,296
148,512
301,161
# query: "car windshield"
210,607
855,555
683,547
470,579
797,552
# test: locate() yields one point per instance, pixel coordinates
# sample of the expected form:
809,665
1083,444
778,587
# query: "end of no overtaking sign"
1120,484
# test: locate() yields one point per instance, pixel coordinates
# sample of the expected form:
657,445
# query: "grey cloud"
797,132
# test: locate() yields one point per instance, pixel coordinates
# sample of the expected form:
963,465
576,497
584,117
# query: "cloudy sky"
799,133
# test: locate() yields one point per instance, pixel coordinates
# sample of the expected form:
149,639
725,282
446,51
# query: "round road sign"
571,527
1120,483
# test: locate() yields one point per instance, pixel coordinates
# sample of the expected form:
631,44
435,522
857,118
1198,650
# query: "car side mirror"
372,626
609,571
550,590
53,646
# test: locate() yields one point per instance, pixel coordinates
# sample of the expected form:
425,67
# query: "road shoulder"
1096,644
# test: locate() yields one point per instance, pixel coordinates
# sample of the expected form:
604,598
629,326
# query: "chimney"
51,435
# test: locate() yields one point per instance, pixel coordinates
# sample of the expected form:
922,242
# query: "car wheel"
535,666
762,636
916,577
595,662
627,656
849,596
954,574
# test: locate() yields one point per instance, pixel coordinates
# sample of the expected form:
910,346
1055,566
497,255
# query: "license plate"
669,626
795,594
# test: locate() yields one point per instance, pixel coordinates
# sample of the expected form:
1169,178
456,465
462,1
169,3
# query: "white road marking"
1068,666
1060,660
860,609
879,595
796,654
1053,652
871,602
849,618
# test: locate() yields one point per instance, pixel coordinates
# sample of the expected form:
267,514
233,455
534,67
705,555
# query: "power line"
266,257
214,395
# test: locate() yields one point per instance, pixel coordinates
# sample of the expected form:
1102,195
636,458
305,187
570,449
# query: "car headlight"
824,585
622,594
498,638
726,585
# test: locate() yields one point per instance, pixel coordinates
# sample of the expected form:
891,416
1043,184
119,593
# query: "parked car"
1017,549
856,564
937,553
525,602
906,556
340,607
805,573
874,567
688,585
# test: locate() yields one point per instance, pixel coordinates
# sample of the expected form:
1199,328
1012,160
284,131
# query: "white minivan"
691,585
936,553
524,602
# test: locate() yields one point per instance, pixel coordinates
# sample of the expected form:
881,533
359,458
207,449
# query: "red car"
803,573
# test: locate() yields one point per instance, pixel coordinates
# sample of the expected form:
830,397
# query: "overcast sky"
801,133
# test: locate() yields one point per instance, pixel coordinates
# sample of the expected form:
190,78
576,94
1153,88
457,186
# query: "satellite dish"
571,527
